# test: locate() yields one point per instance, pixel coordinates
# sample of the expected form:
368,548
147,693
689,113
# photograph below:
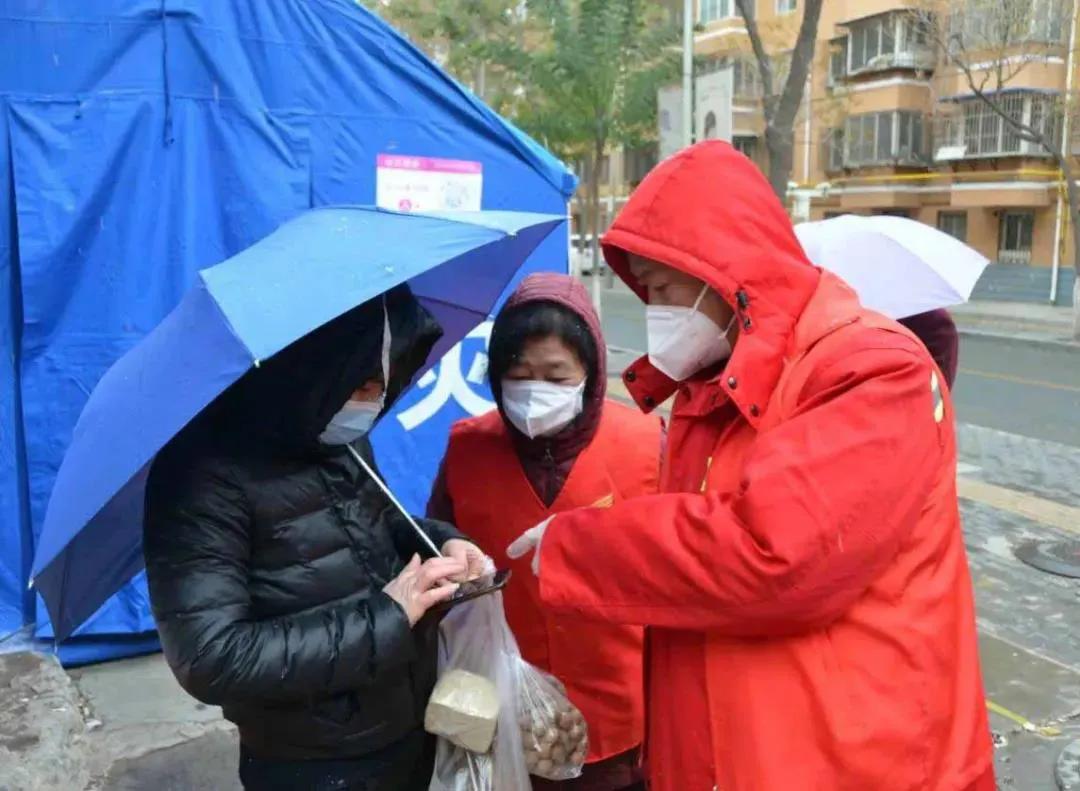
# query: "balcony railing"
893,138
917,60
971,129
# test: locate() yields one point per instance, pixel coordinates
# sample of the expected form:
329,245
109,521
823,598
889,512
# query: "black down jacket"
266,552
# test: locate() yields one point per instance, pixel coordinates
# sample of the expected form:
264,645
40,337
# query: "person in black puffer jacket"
286,587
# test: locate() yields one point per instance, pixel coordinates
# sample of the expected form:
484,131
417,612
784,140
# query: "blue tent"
144,140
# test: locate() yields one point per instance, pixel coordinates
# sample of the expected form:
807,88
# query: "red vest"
600,664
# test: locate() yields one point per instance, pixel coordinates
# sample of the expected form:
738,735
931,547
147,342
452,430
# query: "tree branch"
1026,132
801,57
746,10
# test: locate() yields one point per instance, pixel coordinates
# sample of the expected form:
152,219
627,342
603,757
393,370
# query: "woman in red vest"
556,443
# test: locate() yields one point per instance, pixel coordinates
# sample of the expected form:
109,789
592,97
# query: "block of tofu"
464,709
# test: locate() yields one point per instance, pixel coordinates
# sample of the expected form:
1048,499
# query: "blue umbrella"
308,272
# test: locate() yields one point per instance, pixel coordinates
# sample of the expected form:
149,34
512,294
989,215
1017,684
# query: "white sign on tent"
404,183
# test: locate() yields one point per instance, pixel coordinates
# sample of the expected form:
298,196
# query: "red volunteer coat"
804,575
600,664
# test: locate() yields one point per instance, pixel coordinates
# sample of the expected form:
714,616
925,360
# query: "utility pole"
688,73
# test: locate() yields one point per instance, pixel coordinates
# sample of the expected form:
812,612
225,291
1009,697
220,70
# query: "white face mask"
353,421
356,418
684,340
539,409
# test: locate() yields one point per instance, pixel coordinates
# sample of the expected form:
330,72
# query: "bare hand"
468,554
420,586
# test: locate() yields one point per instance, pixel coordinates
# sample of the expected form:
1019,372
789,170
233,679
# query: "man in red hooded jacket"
803,575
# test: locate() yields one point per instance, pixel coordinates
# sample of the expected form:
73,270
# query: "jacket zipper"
553,486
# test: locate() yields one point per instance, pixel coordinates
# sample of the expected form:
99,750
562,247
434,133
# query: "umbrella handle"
397,504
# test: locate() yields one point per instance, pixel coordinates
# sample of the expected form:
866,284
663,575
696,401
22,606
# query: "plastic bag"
553,732
475,637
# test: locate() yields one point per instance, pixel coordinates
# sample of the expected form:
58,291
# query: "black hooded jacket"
266,552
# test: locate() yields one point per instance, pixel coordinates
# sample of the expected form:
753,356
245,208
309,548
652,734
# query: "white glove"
529,541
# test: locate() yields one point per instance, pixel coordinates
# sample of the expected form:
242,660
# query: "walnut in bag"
553,731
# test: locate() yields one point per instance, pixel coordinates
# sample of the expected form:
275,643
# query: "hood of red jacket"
565,446
571,294
709,212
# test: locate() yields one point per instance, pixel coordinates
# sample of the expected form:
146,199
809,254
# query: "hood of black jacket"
290,398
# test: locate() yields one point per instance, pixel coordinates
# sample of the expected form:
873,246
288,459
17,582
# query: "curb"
1026,340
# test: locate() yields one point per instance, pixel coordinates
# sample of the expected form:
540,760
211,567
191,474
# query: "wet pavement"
1027,618
1018,406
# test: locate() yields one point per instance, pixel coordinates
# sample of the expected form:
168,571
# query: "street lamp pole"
688,73
1059,219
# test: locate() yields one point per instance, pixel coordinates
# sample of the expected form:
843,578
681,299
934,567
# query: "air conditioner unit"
950,153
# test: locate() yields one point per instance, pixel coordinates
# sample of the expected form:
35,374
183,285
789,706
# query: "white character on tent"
447,381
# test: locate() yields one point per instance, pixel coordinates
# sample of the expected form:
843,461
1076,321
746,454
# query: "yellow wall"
924,196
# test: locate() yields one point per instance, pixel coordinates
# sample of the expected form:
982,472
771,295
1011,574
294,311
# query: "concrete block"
147,733
43,744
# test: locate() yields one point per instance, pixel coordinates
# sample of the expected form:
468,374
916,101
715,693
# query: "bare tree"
990,43
782,96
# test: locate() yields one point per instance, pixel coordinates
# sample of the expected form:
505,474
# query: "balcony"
916,60
893,138
886,42
966,128
993,24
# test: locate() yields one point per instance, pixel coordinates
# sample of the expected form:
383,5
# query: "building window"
971,128
786,6
891,137
888,41
746,146
714,10
745,79
838,61
909,141
834,149
781,67
954,223
1017,229
870,40
995,23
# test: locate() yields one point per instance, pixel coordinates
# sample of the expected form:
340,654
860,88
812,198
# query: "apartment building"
889,127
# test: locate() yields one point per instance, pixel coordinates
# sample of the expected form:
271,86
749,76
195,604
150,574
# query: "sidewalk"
1023,321
114,726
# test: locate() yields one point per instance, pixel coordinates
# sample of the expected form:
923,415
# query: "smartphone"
481,586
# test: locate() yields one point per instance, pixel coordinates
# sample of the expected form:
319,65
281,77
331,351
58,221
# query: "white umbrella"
897,266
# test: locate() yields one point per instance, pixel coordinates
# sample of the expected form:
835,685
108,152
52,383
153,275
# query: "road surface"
1018,387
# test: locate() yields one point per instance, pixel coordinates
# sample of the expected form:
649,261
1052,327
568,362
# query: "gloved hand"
529,541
